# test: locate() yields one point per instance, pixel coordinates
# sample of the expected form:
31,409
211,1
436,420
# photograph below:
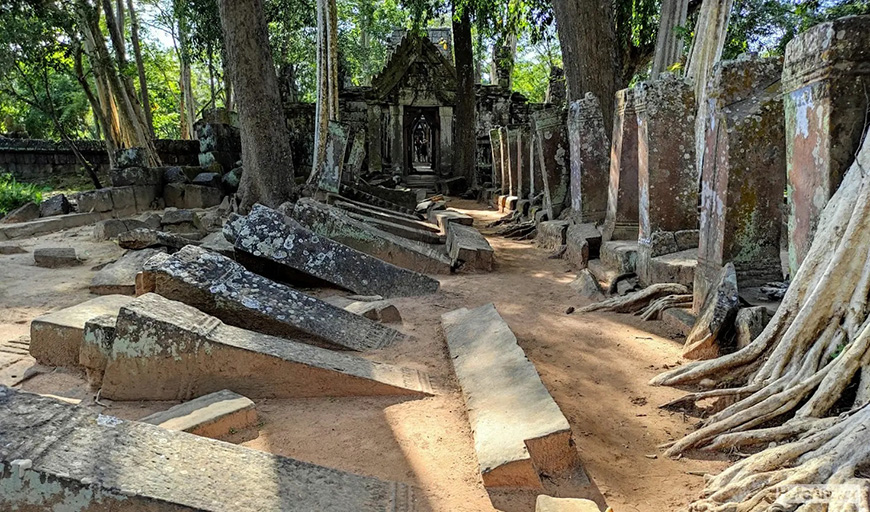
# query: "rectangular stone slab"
215,415
167,350
381,213
468,249
79,460
223,288
268,234
333,223
56,337
119,277
519,431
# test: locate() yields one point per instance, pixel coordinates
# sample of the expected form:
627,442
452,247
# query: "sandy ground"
595,365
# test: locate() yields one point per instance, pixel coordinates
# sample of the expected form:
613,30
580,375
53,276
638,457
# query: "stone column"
397,142
537,179
374,138
667,175
621,219
495,146
523,144
590,160
826,79
552,156
445,115
743,178
514,165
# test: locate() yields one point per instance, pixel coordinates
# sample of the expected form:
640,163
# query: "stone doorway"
422,152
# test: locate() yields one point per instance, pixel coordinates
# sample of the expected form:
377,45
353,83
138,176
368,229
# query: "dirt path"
596,366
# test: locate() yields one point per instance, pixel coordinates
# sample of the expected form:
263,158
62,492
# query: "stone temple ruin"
222,312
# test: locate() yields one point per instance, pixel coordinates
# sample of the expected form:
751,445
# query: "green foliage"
14,194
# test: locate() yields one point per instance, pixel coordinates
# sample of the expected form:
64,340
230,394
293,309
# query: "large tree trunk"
188,102
268,176
327,82
804,382
465,144
588,41
669,46
140,67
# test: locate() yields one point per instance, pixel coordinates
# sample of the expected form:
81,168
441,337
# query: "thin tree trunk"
228,85
327,81
465,144
669,46
140,67
103,125
188,102
268,162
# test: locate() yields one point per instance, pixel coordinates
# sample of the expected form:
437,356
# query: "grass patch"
14,193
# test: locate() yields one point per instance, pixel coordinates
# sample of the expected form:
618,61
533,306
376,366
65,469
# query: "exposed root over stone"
656,307
637,301
804,381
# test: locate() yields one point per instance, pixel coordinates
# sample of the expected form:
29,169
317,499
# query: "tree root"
656,307
637,301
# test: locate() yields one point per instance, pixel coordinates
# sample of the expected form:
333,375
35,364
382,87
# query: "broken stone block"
377,310
129,176
54,205
208,179
112,228
182,222
590,159
552,154
411,233
99,334
218,137
175,174
716,317
442,218
131,157
119,277
188,195
331,222
213,159
270,235
750,322
586,285
619,255
102,462
218,243
687,239
26,212
546,503
825,79
519,431
468,249
621,219
142,238
167,350
222,287
680,319
99,200
56,337
123,200
8,249
676,267
551,234
215,415
54,257
582,243
374,212
151,220
146,197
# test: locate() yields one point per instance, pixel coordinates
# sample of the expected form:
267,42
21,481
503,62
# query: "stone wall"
40,161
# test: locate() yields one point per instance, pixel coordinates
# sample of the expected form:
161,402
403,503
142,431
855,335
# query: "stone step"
54,454
166,350
119,277
223,288
519,431
331,222
677,267
268,234
620,255
551,234
216,415
56,337
468,249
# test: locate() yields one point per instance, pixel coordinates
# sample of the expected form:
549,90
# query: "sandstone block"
215,415
54,257
468,249
54,205
119,277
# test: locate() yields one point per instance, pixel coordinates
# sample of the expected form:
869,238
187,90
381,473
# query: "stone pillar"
667,175
743,178
552,155
374,141
497,172
514,165
397,142
524,143
445,115
826,79
557,93
621,219
590,160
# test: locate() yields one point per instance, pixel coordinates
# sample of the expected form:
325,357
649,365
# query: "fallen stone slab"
546,503
715,318
377,310
99,334
143,238
215,415
419,235
587,286
48,225
270,235
218,243
442,218
333,223
90,461
54,205
468,249
551,234
223,288
55,257
119,277
24,213
411,221
167,350
9,249
519,431
56,337
112,228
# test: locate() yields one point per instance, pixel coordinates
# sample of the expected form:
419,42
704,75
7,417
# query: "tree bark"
588,41
188,102
465,143
327,82
669,46
268,163
140,67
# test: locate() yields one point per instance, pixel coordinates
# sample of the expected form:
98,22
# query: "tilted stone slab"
420,235
469,249
519,431
215,415
404,219
377,310
268,234
167,350
142,238
333,223
56,337
221,287
119,277
69,458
